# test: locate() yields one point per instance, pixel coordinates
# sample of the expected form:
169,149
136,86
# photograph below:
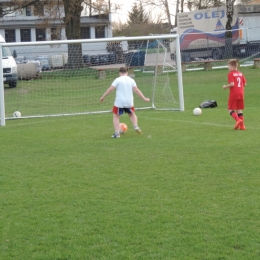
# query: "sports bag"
208,104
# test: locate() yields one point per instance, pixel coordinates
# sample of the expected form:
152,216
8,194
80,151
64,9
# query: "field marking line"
139,116
193,122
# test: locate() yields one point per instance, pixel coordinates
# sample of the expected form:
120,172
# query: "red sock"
234,115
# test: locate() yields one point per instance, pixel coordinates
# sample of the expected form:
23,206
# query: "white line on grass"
193,122
31,121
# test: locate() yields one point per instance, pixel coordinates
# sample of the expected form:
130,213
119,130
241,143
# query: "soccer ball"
17,114
123,128
197,111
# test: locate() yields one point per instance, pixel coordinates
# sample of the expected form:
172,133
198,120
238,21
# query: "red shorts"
121,110
235,104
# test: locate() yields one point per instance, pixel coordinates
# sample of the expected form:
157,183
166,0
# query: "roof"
23,22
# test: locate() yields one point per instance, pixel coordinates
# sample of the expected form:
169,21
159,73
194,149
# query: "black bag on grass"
209,104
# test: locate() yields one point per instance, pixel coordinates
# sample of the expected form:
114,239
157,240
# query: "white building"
24,26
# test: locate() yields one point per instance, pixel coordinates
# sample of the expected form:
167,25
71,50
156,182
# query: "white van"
10,74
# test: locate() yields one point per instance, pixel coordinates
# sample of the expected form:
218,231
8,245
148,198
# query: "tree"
66,11
139,23
121,29
71,20
162,5
137,15
204,4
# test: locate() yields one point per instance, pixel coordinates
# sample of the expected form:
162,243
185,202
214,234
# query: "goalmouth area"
72,82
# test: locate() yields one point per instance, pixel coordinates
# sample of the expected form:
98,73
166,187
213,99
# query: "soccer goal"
68,77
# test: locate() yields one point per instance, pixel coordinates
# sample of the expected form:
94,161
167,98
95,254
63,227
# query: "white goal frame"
169,37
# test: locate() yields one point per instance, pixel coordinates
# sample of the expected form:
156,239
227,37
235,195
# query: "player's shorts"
121,110
235,104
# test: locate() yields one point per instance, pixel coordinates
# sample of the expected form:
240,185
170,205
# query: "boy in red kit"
236,84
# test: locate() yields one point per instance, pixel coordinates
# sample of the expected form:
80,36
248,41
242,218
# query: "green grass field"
187,188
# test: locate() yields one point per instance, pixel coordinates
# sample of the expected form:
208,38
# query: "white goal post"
67,77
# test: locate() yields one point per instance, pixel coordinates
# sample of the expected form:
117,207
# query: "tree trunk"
73,10
182,6
168,14
177,11
199,7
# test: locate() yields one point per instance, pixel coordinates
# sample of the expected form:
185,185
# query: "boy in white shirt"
124,101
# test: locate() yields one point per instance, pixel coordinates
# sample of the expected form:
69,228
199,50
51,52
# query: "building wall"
19,21
27,18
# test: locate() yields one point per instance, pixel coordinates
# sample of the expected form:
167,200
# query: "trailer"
202,33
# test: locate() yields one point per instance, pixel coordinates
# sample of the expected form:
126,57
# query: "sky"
122,14
126,6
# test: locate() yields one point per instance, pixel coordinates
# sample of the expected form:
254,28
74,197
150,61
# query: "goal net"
68,77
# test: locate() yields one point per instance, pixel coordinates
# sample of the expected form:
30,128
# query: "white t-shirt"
124,91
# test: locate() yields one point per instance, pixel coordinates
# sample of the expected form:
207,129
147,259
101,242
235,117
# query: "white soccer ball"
17,114
197,111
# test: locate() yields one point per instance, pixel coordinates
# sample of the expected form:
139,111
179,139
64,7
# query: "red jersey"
237,91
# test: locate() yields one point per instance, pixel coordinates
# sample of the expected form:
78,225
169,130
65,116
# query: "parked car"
10,75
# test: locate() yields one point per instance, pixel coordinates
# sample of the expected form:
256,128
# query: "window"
40,35
100,32
26,11
55,34
6,52
10,35
85,32
38,9
25,35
